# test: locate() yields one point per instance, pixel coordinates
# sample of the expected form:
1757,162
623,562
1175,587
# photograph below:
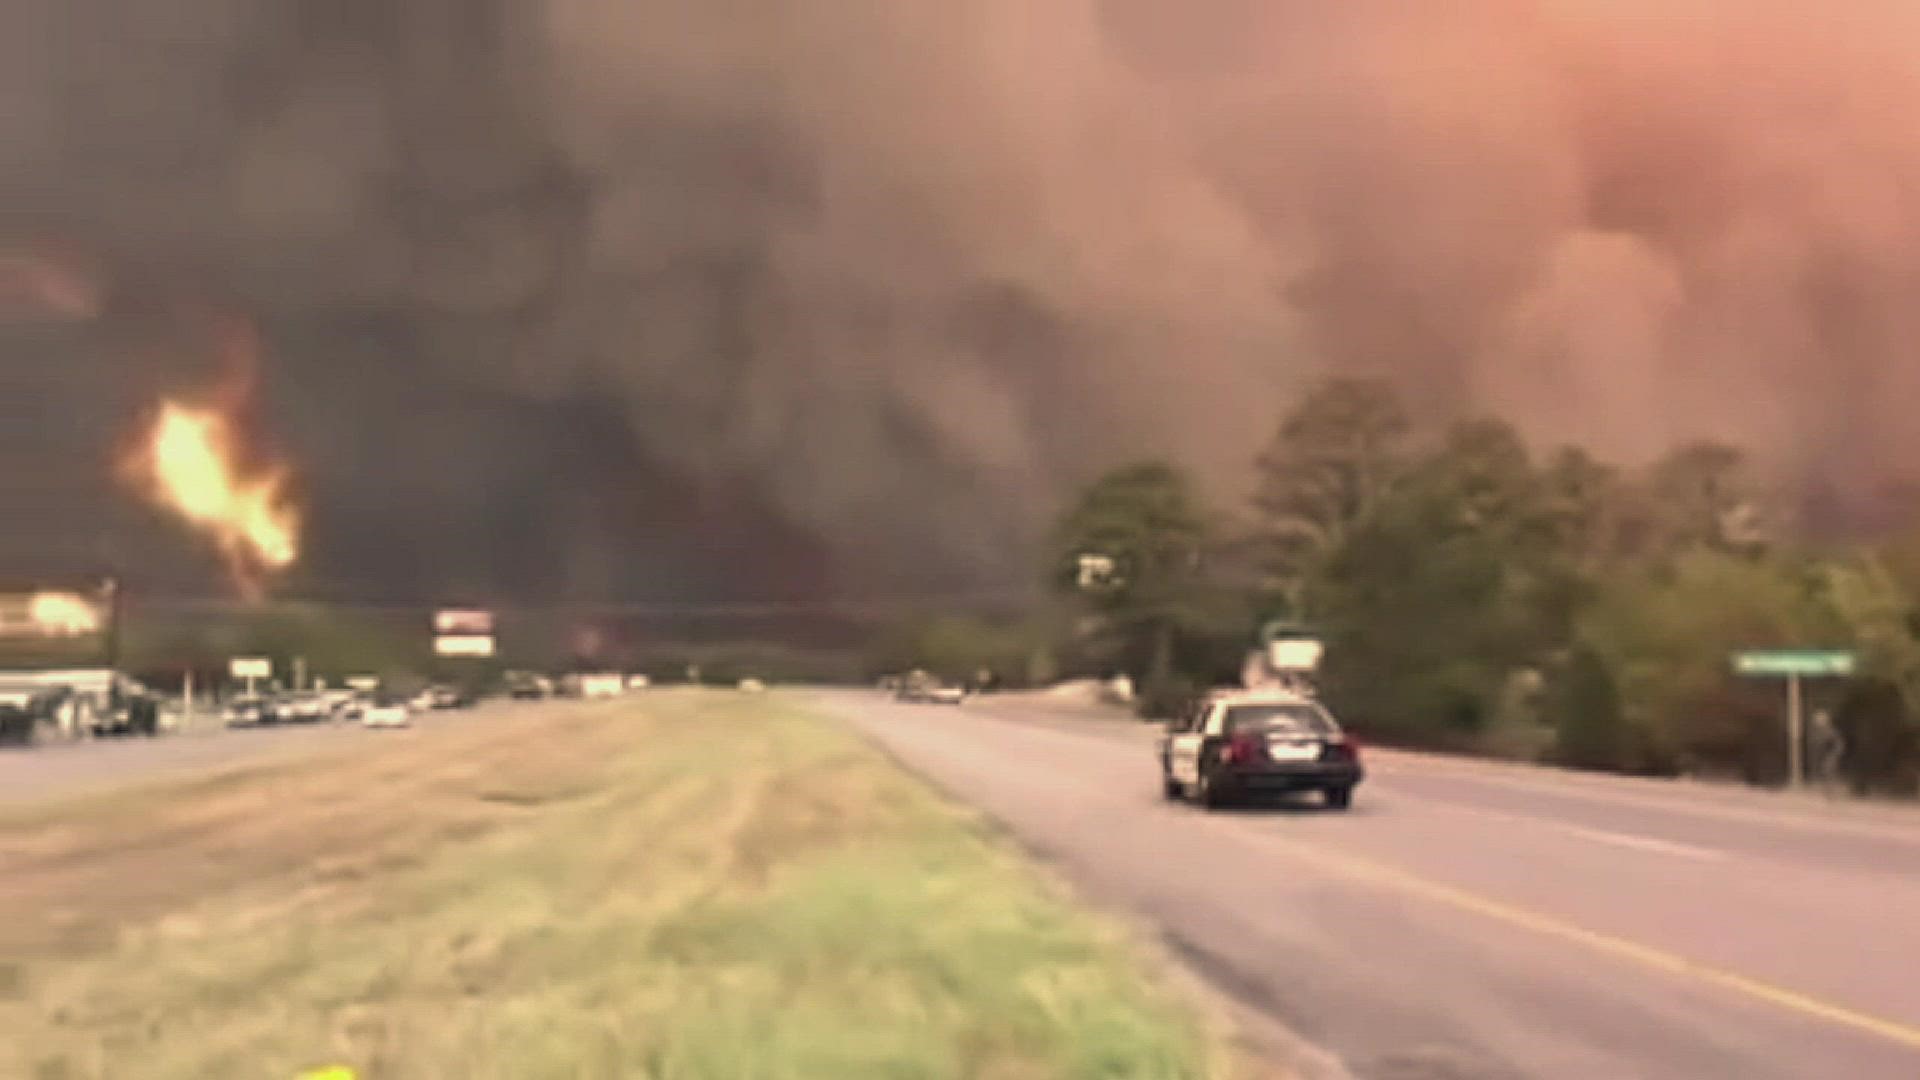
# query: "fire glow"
188,464
62,614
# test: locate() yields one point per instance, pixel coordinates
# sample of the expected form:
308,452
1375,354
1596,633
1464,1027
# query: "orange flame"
188,463
195,460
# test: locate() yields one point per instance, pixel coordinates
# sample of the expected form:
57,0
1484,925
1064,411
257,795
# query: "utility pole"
110,591
1796,734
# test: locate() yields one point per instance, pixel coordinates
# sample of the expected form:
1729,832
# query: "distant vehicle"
246,712
751,685
525,686
301,708
922,688
638,682
1242,744
600,684
443,697
385,712
140,714
22,707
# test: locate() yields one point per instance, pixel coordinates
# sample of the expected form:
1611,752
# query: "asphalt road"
1469,920
53,769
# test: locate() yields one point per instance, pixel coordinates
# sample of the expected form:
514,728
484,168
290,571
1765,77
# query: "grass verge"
684,886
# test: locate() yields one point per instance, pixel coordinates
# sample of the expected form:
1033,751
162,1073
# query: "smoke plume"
647,298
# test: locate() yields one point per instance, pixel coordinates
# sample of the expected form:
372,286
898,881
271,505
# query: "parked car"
526,686
386,712
22,708
300,708
246,712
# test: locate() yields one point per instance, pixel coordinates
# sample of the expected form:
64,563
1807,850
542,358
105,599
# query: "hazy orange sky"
860,250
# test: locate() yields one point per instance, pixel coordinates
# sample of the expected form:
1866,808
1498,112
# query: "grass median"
681,885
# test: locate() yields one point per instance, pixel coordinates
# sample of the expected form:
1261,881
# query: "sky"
631,298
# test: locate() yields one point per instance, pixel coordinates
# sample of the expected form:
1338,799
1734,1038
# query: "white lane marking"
1643,843
1598,836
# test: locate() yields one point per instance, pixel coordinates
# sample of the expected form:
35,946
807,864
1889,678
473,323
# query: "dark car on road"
1245,744
525,686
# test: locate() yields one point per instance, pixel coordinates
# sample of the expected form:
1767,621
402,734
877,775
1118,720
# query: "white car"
386,714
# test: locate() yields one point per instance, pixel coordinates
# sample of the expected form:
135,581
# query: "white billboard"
1295,654
480,645
250,667
463,622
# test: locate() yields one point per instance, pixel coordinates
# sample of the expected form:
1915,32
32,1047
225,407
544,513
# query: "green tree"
1707,499
1451,592
1586,503
1590,728
1879,715
956,648
1333,458
1415,618
1668,630
1130,549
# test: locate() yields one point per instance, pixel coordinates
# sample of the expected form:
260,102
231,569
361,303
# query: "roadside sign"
463,622
250,667
366,684
1795,665
480,645
1803,663
1298,654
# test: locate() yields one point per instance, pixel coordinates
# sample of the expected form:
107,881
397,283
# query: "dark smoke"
623,297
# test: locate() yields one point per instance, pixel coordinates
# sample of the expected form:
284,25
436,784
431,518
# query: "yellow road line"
1548,926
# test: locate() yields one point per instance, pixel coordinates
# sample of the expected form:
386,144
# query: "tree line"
1476,596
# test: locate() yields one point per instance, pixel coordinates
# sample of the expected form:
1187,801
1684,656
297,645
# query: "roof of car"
1261,696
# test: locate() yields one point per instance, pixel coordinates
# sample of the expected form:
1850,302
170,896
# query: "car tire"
1208,796
1170,787
1338,798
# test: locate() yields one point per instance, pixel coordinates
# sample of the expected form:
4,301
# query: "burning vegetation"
62,614
189,462
195,456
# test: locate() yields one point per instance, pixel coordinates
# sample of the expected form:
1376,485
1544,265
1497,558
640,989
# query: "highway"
1470,920
56,769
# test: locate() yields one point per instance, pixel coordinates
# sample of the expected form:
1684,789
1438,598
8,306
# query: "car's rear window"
1280,720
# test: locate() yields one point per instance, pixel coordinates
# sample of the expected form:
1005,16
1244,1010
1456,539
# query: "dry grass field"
681,884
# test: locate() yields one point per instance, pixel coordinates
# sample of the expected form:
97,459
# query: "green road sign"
1806,663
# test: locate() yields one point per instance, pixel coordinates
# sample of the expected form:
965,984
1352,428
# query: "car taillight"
1242,749
1345,749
